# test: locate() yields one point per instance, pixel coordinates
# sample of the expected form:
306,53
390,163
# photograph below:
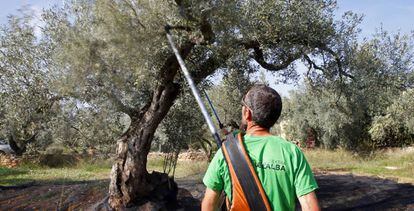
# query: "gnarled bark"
131,184
130,181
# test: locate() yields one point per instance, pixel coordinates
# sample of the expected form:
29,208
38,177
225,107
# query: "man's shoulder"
280,143
278,140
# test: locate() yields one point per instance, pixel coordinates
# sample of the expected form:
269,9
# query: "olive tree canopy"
26,91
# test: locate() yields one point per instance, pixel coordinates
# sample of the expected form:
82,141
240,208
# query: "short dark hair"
265,104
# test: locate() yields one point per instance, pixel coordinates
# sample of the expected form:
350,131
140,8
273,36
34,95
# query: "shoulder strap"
247,188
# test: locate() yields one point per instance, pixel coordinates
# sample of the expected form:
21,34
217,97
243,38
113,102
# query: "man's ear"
247,113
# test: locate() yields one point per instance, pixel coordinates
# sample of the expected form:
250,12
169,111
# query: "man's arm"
210,201
309,202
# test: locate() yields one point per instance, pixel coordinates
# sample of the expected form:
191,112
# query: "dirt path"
338,191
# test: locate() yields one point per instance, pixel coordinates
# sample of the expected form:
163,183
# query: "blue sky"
11,6
394,15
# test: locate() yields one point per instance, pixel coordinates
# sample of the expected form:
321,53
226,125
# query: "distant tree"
227,95
79,126
27,98
341,111
182,126
333,119
396,127
382,67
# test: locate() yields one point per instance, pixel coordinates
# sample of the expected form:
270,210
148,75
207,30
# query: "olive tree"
79,126
116,51
227,95
349,112
27,98
396,127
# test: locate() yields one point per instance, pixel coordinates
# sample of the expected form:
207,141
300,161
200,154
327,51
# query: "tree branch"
132,7
204,26
207,31
171,66
184,10
259,57
120,106
208,67
312,63
180,27
337,60
162,98
81,133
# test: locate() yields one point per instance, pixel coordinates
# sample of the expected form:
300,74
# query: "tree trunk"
19,150
131,184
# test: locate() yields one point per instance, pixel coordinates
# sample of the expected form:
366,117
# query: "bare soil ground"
344,191
338,191
68,196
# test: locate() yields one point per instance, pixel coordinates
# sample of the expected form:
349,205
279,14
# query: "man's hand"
210,201
309,202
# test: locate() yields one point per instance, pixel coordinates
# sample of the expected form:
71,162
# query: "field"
345,179
397,164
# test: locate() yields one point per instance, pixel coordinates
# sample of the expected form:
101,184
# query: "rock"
191,155
391,167
9,161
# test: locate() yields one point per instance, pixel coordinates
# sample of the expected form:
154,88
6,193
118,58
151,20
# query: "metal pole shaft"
214,110
194,90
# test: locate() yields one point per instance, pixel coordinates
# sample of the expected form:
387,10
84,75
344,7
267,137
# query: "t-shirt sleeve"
304,180
213,179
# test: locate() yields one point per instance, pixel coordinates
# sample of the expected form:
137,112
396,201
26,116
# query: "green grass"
338,160
85,170
394,164
27,172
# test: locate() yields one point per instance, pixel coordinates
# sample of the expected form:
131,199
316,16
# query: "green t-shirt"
280,165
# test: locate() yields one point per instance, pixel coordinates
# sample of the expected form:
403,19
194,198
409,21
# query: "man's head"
262,106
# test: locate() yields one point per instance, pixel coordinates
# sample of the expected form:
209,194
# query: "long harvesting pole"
193,88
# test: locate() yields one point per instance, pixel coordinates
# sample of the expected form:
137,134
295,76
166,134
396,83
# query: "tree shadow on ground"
344,191
56,194
338,191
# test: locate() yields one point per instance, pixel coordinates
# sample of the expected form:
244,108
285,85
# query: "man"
280,165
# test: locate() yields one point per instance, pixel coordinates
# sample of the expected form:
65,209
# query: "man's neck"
256,130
